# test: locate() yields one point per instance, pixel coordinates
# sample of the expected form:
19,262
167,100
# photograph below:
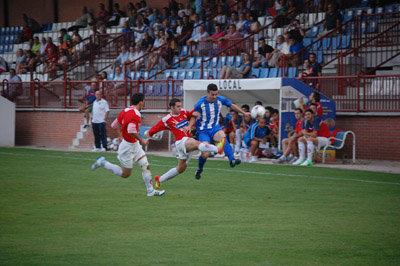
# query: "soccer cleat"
98,163
234,162
298,162
306,163
253,159
156,193
157,184
221,146
197,175
293,160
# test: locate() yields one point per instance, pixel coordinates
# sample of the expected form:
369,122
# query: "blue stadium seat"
292,72
197,62
317,45
221,61
190,62
389,9
214,74
379,10
350,28
231,61
279,73
314,31
264,73
1,49
182,74
273,72
151,75
175,74
189,74
359,11
167,74
206,74
307,41
370,11
197,74
184,51
255,73
205,62
214,62
364,3
320,57
335,42
348,15
326,43
373,26
345,42
175,63
238,61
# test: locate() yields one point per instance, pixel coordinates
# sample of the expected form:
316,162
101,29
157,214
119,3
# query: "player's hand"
196,114
186,129
144,142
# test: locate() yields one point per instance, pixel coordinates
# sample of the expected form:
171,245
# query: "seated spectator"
265,53
282,53
122,58
307,70
102,16
31,27
295,31
118,87
90,98
139,30
29,64
186,31
202,35
232,33
281,15
218,33
255,26
235,123
82,22
132,17
129,34
234,19
247,121
241,21
196,22
80,47
315,136
229,72
315,70
147,43
64,35
35,48
154,57
171,49
256,134
292,11
50,64
13,89
136,58
157,26
220,18
21,60
183,11
116,16
332,21
289,145
173,19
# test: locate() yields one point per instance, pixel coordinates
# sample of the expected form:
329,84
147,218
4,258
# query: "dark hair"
314,105
212,87
309,110
316,96
269,108
174,101
258,103
275,111
137,98
245,106
299,109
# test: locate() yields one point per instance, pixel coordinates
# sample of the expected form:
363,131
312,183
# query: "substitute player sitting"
315,134
208,127
130,151
256,134
178,123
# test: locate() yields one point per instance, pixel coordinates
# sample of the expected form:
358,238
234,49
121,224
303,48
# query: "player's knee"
144,164
181,168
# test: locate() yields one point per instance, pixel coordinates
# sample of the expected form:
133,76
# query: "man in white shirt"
100,116
122,58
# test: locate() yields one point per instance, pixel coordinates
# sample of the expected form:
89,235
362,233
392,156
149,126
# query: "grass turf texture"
55,211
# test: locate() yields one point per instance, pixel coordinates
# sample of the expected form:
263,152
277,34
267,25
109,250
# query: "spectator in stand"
229,72
42,52
13,89
218,33
158,25
129,34
136,58
90,98
283,53
314,71
173,5
122,58
116,16
173,19
280,19
21,60
289,145
30,63
307,70
220,18
147,43
139,30
332,21
255,26
315,134
64,35
172,48
182,11
292,11
80,47
118,88
35,48
197,21
154,57
295,31
234,19
166,26
50,63
265,53
231,34
241,22
150,16
246,27
102,16
202,35
101,111
192,15
314,99
186,31
143,7
132,17
247,121
256,134
83,20
179,27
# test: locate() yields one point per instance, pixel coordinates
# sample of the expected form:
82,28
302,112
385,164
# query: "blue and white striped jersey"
210,112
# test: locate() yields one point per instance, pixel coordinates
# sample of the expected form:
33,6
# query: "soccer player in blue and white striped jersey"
208,127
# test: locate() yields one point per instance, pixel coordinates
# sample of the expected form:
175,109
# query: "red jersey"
174,123
320,109
323,130
129,119
298,127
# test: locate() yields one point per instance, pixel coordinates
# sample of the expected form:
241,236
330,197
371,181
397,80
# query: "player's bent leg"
219,137
192,145
113,168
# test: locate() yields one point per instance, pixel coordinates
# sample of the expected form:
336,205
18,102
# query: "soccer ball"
108,141
157,136
115,142
257,112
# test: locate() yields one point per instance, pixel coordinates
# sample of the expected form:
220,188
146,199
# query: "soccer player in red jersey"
289,145
315,134
180,122
130,151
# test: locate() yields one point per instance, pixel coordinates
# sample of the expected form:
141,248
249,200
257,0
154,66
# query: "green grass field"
55,211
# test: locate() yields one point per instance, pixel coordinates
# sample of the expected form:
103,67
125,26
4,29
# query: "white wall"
7,122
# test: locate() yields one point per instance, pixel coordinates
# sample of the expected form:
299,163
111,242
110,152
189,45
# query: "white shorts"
128,153
322,141
181,149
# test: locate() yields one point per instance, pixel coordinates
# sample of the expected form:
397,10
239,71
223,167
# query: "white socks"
302,151
170,174
113,168
207,147
310,150
148,181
